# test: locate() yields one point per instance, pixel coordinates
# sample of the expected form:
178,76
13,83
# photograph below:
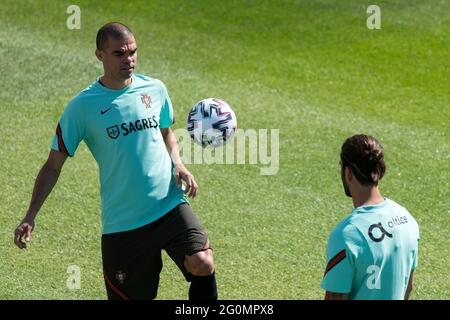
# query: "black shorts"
132,259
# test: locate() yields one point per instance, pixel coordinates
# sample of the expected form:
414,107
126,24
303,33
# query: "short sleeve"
415,261
340,269
166,118
415,251
70,129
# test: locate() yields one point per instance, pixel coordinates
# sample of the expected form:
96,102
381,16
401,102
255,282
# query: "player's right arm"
44,183
335,296
340,269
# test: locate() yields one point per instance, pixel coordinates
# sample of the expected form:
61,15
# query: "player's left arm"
181,172
410,285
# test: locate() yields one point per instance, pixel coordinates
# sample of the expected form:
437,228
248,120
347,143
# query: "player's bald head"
115,30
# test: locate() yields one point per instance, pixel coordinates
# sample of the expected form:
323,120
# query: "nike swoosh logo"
105,111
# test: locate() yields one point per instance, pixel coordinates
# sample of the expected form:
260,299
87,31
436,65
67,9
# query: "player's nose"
129,58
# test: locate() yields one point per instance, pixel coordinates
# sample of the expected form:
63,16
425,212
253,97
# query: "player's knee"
200,263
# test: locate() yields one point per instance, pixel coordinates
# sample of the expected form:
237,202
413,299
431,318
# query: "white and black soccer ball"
211,122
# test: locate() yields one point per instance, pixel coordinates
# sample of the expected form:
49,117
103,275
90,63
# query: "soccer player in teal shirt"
124,119
373,252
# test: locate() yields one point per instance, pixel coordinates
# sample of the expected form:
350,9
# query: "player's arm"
181,172
44,183
410,285
340,269
335,296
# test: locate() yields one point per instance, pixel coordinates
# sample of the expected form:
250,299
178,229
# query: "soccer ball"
211,122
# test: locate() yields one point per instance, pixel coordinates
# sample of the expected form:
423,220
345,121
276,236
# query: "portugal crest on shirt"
147,100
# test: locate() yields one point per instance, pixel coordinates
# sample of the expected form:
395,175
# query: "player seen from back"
373,252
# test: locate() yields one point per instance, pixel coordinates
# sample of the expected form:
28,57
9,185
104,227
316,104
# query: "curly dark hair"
365,157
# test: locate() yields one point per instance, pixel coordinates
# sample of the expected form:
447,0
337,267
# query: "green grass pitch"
311,69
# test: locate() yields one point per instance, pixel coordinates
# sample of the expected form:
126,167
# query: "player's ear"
348,173
99,54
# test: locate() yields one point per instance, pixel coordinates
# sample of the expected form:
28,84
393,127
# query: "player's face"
119,58
344,182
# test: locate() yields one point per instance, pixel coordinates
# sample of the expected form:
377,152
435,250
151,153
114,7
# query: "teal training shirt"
122,130
372,252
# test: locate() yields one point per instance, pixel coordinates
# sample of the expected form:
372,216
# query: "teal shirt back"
122,130
371,253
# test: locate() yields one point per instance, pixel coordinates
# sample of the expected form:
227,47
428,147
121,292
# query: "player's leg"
200,267
131,266
190,249
200,263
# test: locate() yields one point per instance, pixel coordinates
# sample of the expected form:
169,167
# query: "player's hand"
22,234
182,174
